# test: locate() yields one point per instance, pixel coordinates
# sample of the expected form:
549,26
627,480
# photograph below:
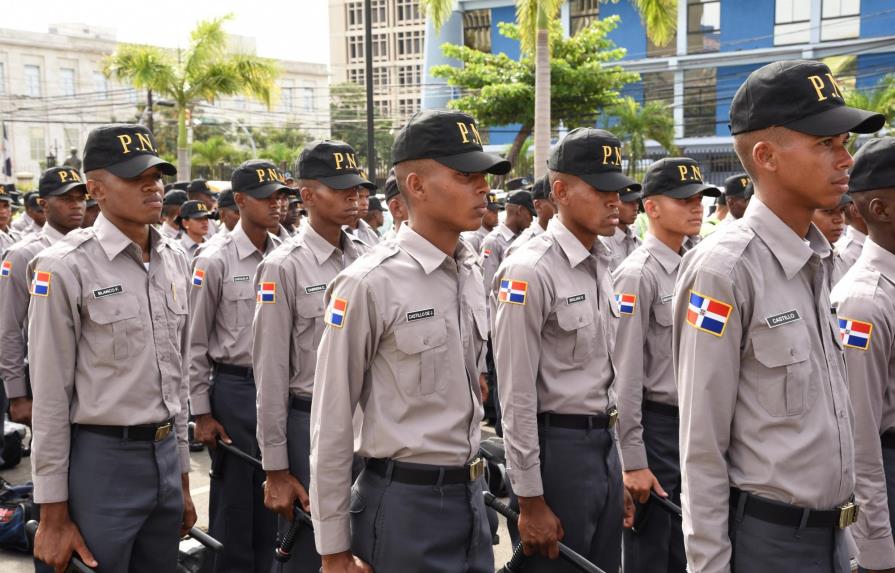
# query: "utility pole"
368,53
150,122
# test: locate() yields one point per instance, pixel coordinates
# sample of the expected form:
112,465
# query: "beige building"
53,92
399,29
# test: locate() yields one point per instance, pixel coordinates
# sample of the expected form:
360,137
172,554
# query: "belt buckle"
848,514
613,416
162,432
476,468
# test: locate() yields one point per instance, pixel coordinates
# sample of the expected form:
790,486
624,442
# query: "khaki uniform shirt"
475,238
287,328
14,299
108,343
533,230
190,247
494,249
847,250
866,296
25,225
761,379
169,231
554,326
364,232
621,244
222,300
8,239
405,340
644,285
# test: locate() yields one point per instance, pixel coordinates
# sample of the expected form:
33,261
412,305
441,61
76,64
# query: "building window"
410,44
72,138
700,96
840,19
380,78
355,48
380,47
286,97
100,85
792,22
382,108
703,26
354,14
32,81
379,12
356,76
67,81
658,86
582,13
407,11
477,30
409,76
2,78
407,107
307,99
37,143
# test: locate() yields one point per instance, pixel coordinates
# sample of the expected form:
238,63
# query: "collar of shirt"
322,248
662,253
428,255
855,235
790,250
571,246
113,241
244,245
879,258
51,234
188,242
505,231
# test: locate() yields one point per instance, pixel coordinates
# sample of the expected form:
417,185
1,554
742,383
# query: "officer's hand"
189,510
280,492
58,537
20,410
640,482
483,386
344,562
539,528
630,510
208,429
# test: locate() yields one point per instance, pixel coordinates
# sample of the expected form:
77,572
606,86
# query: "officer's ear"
96,186
560,191
651,208
881,208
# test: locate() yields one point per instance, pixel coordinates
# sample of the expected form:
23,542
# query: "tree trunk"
183,149
513,152
542,98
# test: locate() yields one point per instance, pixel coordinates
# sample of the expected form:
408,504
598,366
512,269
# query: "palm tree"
635,124
880,99
202,72
212,152
535,18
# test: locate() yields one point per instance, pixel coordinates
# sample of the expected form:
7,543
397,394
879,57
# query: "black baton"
666,504
205,539
75,563
514,565
567,554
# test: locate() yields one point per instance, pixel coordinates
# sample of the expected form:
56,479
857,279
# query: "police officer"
170,211
198,190
624,240
8,236
766,429
289,322
831,222
736,197
396,206
33,219
489,221
194,223
91,213
62,191
107,341
544,207
520,210
360,228
849,246
554,324
404,339
228,211
647,395
865,303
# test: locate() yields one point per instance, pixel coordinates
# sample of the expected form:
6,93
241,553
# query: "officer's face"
283,206
830,222
490,219
363,202
230,216
5,213
679,216
66,211
594,212
137,200
627,212
90,215
38,214
545,209
260,212
333,206
814,169
196,227
737,206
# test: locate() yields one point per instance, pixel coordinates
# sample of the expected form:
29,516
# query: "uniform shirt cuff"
332,536
183,450
527,483
633,458
51,488
274,458
876,553
16,388
200,404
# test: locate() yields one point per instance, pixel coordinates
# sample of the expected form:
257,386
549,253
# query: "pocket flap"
574,316
662,312
310,305
413,338
238,291
781,346
114,308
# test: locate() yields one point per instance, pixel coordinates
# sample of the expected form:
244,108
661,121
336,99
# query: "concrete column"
435,92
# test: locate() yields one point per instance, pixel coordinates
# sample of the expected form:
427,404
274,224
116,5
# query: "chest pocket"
117,326
786,387
423,349
309,308
576,323
662,313
240,302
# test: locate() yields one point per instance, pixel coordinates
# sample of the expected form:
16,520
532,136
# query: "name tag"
667,298
576,298
242,279
783,318
108,291
420,314
315,288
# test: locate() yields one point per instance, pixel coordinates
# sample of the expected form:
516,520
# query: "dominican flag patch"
6,268
708,314
626,303
486,253
198,277
40,284
267,293
854,333
512,291
335,313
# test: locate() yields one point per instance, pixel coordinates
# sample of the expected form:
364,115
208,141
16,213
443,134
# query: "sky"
284,29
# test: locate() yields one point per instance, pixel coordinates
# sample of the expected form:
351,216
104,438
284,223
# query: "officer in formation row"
365,362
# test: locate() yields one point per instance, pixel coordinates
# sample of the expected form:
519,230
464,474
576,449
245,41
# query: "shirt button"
426,341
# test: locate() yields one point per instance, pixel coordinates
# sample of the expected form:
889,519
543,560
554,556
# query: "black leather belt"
417,475
791,515
231,370
142,433
660,408
888,440
579,421
300,403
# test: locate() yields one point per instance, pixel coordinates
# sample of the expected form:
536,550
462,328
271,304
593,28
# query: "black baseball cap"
594,155
450,138
124,150
91,202
524,199
518,183
676,177
175,197
30,201
874,166
737,185
391,185
541,189
8,194
225,199
194,210
631,195
333,163
57,181
376,204
800,95
258,178
182,185
199,186
493,203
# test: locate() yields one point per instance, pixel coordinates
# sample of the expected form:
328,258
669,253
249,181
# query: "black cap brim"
65,189
837,120
346,181
136,165
610,181
476,162
845,200
631,196
264,191
687,191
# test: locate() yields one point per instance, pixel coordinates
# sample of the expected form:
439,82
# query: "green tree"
634,124
348,118
213,152
880,99
202,72
499,90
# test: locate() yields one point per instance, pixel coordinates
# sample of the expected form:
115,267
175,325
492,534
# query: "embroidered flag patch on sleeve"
6,268
336,312
854,333
198,277
708,314
267,293
512,291
626,303
40,284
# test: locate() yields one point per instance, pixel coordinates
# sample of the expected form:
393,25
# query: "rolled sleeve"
204,303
